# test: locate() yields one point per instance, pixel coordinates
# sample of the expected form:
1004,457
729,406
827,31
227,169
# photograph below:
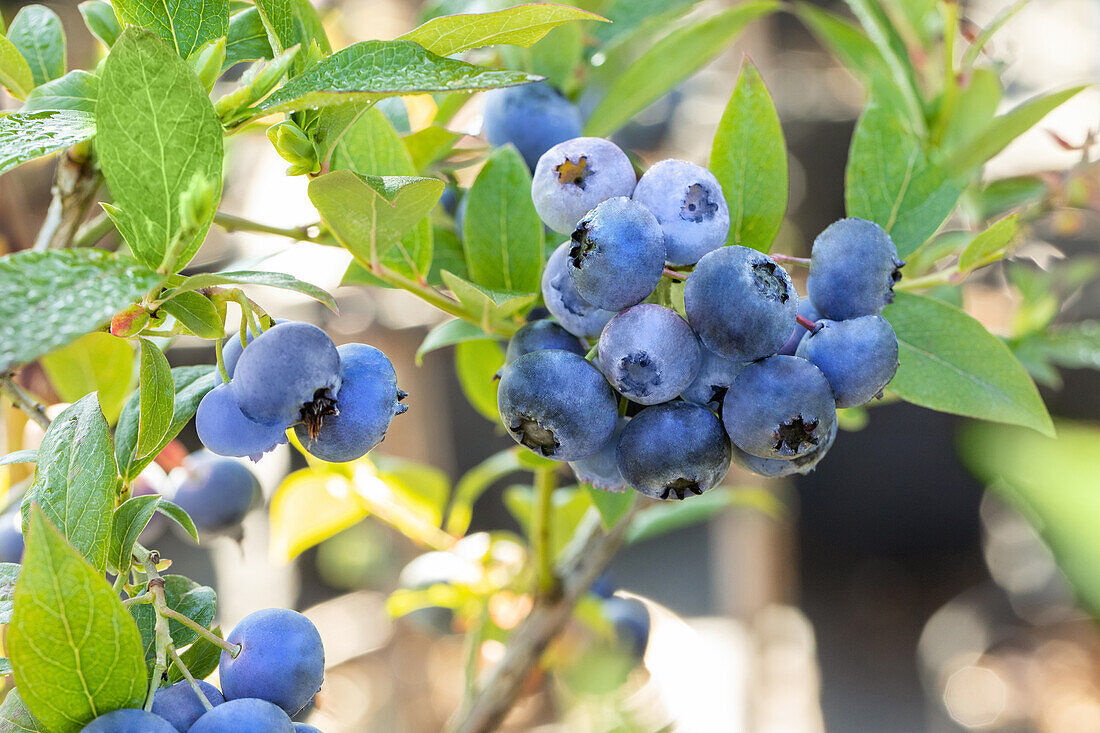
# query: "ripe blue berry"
575,314
225,430
853,267
180,706
289,374
128,720
674,450
533,117
781,407
556,404
775,467
572,177
688,202
539,335
618,254
244,715
232,349
630,618
369,399
11,537
649,353
715,375
858,357
807,311
305,728
216,492
601,469
281,660
741,303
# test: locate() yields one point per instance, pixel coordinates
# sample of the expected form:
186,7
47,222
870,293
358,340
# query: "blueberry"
128,720
369,399
575,314
853,267
781,407
180,705
807,311
281,660
602,587
557,405
688,202
776,467
232,349
858,357
572,177
305,728
601,469
539,335
618,254
533,117
449,200
741,303
11,536
289,374
225,430
649,353
674,450
715,375
244,715
630,618
216,492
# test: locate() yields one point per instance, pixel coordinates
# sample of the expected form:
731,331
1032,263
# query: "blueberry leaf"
196,602
156,398
15,72
892,180
522,25
248,40
157,138
568,505
660,520
446,334
9,575
39,36
187,25
372,70
19,456
28,135
95,362
476,482
486,306
76,90
75,479
101,20
279,280
15,717
176,513
502,233
654,74
1070,346
950,363
476,363
66,677
611,506
196,313
749,159
129,520
974,111
306,510
989,245
292,23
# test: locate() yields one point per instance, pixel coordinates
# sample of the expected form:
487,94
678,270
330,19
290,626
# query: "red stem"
807,324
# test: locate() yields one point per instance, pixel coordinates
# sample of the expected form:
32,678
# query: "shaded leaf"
95,362
201,659
39,36
247,39
15,717
129,520
252,277
476,363
522,25
893,51
291,23
9,575
76,90
196,602
156,398
662,519
179,516
611,506
446,334
101,20
474,483
487,307
28,135
187,25
1070,346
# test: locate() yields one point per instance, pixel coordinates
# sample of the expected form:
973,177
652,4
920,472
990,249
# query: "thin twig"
233,649
74,191
790,260
188,676
24,400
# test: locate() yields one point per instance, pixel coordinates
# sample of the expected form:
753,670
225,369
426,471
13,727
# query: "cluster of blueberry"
276,673
645,413
339,400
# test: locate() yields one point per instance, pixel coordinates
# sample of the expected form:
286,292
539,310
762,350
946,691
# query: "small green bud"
207,62
197,204
295,147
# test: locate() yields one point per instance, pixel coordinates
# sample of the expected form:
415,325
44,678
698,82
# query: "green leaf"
370,146
369,215
95,362
157,136
950,363
201,659
419,489
429,146
1006,128
196,313
15,717
671,60
176,513
486,306
974,111
502,232
448,333
9,575
371,70
1001,196
129,520
101,20
611,505
76,478
196,602
253,277
448,255
248,39
1052,483
476,363
558,56
990,244
19,456
76,90
75,651
28,135
891,180
39,36
187,25
522,25
291,23
476,482
156,400
191,384
749,159
15,72
51,298
662,519
1070,346
567,507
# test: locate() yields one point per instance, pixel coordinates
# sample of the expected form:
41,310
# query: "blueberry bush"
628,321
